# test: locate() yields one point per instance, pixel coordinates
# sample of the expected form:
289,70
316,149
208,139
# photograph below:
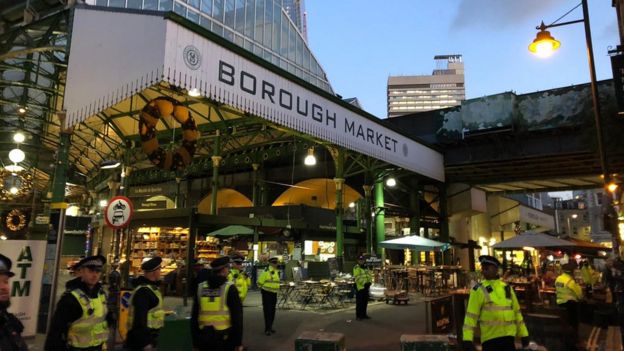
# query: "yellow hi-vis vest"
494,307
155,316
91,329
567,289
213,310
362,276
588,275
241,281
269,280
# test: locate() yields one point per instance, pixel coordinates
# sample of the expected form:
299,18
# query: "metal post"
190,255
58,209
368,217
415,214
607,201
125,270
380,225
338,154
254,180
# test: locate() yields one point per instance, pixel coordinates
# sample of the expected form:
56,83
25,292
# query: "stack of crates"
320,341
424,343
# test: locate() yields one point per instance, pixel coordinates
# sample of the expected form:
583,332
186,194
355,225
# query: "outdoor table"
284,294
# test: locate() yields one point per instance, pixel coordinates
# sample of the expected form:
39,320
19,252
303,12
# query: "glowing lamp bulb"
17,155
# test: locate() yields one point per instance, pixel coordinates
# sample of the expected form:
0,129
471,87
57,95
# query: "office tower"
262,27
443,88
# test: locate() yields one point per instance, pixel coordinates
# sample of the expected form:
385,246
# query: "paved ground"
382,332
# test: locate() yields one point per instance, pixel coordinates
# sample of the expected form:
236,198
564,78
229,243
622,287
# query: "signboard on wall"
28,257
116,54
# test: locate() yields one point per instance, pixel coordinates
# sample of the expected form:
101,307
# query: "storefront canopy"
532,239
232,230
414,242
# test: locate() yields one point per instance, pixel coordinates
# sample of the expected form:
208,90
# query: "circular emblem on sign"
192,57
118,212
405,150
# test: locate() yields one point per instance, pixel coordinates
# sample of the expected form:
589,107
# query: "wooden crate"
320,341
424,342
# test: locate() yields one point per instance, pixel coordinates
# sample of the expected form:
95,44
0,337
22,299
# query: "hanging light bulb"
103,203
17,155
14,168
351,204
310,160
19,137
194,92
391,182
13,190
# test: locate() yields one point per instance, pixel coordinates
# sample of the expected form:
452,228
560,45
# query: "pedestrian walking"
217,314
269,282
494,307
146,315
569,293
238,276
363,279
81,320
10,327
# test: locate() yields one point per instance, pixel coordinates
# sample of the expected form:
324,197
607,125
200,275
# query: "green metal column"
414,215
125,270
57,218
216,161
444,225
255,199
380,226
369,218
338,154
190,255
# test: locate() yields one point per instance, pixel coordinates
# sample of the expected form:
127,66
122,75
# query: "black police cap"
273,260
219,263
5,266
487,259
151,264
94,262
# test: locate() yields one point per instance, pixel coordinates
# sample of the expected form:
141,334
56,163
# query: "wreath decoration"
15,220
150,115
22,180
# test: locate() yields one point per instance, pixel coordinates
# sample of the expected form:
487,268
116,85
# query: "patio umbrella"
414,242
232,230
532,239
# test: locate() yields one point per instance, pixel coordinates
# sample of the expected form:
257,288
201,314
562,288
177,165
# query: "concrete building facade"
443,88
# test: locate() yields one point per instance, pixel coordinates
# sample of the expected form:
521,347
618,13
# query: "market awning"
534,240
232,230
414,242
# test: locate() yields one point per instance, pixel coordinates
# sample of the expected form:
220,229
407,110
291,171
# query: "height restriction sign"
118,212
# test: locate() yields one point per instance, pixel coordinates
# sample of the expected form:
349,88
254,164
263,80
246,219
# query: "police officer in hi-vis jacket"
269,282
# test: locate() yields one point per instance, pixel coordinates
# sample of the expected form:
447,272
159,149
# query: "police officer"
569,293
10,327
238,276
217,314
363,279
494,306
269,282
81,319
146,315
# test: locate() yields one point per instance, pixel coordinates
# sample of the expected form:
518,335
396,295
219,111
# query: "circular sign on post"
118,212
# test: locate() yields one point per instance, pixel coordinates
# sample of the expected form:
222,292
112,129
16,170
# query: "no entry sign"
118,212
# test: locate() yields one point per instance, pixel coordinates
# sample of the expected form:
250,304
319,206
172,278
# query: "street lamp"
545,43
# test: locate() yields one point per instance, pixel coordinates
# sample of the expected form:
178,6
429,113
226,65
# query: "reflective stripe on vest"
91,329
241,281
155,316
361,276
213,310
270,280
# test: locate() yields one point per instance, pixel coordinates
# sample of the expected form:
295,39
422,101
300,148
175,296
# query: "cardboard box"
320,341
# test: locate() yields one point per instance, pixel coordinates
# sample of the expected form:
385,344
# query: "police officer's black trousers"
212,340
572,320
505,343
361,302
269,302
